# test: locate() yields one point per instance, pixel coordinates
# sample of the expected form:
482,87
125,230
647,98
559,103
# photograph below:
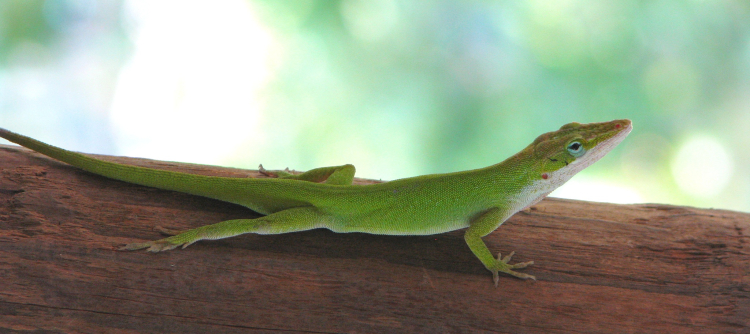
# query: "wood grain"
601,268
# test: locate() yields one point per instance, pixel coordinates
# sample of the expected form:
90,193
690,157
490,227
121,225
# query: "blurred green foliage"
401,88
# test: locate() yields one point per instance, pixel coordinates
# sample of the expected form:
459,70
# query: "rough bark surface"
601,268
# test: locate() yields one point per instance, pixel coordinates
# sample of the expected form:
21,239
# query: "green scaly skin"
479,200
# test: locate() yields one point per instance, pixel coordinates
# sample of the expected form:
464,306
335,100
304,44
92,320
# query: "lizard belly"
391,223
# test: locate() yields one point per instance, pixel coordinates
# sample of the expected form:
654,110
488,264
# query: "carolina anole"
479,200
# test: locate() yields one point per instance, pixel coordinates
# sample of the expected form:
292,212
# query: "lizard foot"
503,266
275,173
184,240
265,172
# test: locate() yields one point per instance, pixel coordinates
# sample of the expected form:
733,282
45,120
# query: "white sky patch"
596,191
702,166
194,74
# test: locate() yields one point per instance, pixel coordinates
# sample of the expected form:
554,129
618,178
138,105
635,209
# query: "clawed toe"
505,259
521,265
135,246
505,267
153,246
161,246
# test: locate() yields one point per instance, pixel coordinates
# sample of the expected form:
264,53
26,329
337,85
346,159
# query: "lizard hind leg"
290,220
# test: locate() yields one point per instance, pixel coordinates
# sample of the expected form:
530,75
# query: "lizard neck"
514,182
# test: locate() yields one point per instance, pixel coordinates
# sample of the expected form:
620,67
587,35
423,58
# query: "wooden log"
600,268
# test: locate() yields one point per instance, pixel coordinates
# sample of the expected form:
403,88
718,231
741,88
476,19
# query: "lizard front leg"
481,226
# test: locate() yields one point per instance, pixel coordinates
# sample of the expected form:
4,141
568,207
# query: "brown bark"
601,268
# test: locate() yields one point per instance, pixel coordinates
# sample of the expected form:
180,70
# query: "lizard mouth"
621,129
597,152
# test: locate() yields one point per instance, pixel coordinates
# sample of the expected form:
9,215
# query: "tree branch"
601,268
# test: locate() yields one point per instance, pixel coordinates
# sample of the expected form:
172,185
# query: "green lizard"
479,200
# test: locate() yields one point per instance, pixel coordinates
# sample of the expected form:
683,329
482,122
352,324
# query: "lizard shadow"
445,252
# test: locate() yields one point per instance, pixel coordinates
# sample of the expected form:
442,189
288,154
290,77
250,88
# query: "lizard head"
565,152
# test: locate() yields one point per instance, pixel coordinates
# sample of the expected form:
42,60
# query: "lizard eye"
576,148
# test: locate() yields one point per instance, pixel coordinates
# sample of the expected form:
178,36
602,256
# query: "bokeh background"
398,88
